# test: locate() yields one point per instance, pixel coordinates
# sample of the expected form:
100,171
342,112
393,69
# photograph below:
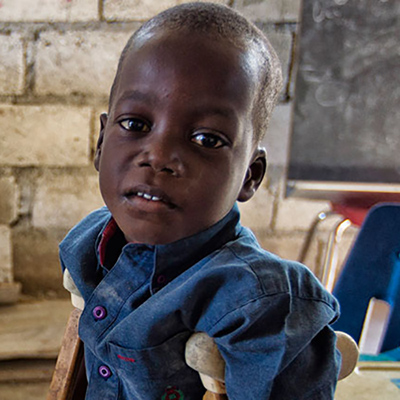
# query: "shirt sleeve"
278,347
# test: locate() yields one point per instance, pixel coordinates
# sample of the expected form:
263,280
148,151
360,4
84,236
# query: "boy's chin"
160,230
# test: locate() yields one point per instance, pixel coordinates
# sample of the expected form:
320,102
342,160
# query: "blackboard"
346,120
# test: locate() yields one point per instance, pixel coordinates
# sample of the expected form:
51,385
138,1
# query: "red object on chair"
356,214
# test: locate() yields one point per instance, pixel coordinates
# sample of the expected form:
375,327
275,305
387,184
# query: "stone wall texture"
57,62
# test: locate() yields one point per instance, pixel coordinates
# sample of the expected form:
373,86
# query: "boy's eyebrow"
137,95
226,112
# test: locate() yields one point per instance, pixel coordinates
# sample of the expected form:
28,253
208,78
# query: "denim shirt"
269,317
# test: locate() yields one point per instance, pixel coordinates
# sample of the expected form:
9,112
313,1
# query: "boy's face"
177,150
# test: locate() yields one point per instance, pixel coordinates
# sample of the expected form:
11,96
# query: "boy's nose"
161,157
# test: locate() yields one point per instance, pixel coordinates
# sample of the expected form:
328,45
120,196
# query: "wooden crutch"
202,355
69,379
63,385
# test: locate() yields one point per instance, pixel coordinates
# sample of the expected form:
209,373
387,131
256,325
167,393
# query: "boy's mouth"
148,196
152,196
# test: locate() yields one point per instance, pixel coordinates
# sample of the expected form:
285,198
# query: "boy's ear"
254,175
103,123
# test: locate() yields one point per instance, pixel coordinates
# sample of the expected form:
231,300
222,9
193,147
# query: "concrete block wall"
57,62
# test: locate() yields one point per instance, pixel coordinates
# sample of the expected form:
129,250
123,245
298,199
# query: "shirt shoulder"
275,274
254,278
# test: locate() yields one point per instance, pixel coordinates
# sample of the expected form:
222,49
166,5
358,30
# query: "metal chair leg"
322,216
331,256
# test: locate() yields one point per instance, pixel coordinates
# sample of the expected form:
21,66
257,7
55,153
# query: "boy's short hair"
222,22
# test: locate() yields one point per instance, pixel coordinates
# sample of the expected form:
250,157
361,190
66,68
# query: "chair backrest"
372,270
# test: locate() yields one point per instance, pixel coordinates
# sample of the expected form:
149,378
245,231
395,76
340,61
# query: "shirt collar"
174,258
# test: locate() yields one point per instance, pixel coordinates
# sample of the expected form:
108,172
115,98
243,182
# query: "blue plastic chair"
372,270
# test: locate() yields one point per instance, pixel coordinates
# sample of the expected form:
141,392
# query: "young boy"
168,257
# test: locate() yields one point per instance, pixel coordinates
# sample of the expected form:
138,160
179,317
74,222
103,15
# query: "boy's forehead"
241,57
187,53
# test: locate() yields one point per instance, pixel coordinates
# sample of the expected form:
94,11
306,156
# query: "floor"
30,338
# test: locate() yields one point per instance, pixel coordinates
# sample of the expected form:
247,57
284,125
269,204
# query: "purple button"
161,279
104,371
99,313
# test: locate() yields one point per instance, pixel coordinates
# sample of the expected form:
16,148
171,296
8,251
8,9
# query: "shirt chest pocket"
153,364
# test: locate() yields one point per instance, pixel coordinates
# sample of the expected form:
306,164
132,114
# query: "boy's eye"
135,125
208,140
